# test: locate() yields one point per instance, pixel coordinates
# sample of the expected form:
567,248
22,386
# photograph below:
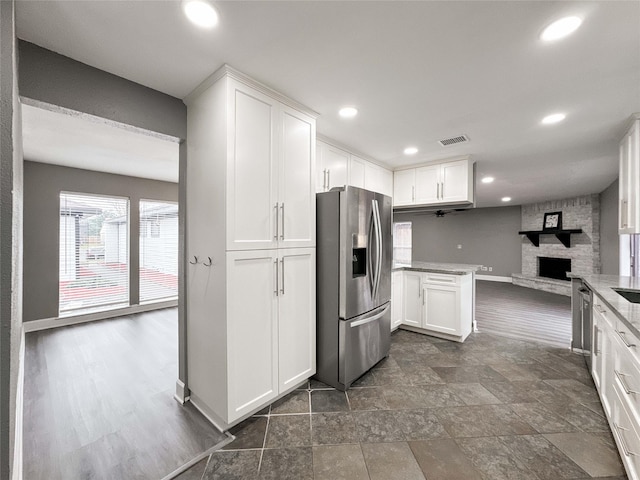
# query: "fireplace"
551,267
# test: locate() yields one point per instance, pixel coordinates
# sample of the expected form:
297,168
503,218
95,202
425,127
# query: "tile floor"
491,408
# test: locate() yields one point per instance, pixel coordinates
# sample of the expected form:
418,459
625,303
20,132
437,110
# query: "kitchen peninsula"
436,299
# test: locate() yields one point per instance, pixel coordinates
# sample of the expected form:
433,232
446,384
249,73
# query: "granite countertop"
434,267
628,312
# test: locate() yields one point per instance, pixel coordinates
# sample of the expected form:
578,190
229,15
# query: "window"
158,251
402,242
94,254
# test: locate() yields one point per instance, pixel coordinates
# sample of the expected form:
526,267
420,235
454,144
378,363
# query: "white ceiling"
81,141
418,71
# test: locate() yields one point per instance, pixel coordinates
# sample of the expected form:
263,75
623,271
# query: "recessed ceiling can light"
560,28
487,179
506,199
348,112
200,12
410,151
553,118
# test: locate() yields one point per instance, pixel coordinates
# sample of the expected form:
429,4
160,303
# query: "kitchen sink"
632,295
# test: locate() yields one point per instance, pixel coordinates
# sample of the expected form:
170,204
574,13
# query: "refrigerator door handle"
370,273
376,215
373,318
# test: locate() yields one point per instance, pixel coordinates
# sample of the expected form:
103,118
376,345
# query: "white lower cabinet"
438,304
396,299
615,368
270,344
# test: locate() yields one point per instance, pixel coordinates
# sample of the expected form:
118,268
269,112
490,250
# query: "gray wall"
42,186
53,78
489,236
11,334
609,238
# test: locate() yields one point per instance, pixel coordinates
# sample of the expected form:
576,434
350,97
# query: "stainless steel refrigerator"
354,254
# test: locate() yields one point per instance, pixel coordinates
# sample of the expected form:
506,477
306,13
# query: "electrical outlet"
491,269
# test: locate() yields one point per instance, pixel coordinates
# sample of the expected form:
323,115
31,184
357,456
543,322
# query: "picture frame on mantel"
552,221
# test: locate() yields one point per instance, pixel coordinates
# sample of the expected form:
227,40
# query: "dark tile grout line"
206,454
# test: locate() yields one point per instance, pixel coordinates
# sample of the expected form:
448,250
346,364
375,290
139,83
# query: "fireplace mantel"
563,235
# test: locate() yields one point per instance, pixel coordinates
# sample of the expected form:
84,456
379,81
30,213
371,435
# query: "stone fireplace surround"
578,212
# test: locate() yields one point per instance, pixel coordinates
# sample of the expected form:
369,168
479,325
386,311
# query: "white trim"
182,392
494,278
227,71
95,119
424,163
45,323
19,413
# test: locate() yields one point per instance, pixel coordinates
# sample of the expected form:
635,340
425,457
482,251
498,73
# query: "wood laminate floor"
523,313
99,402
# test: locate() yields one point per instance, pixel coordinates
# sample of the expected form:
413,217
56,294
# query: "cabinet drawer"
626,371
603,310
441,278
627,339
625,430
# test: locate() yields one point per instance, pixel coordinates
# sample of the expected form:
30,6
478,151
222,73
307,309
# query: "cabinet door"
404,182
412,299
252,330
252,170
454,182
297,198
427,189
296,316
386,182
441,308
629,168
596,350
356,172
373,177
396,299
332,168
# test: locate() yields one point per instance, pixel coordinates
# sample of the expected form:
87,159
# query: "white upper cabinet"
296,189
333,167
404,187
337,167
629,179
270,186
448,183
356,171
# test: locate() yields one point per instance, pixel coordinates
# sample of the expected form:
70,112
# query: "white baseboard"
19,413
182,392
45,323
494,278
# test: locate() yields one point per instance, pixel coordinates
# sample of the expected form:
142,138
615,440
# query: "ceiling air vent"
452,141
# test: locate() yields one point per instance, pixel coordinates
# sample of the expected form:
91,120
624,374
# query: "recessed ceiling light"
487,179
553,118
200,12
560,28
348,112
506,199
410,151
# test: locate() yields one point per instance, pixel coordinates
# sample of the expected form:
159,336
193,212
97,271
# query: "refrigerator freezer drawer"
364,341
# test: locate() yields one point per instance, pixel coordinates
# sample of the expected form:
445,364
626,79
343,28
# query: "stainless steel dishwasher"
582,300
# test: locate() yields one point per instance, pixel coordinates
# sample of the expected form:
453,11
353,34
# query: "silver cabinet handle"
596,334
625,449
324,179
423,295
599,309
282,287
623,337
623,383
282,215
328,179
413,193
275,236
275,264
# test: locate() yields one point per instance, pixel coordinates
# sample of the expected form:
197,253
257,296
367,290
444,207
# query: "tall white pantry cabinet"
250,187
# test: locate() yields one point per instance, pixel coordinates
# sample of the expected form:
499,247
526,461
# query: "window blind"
158,251
94,253
402,242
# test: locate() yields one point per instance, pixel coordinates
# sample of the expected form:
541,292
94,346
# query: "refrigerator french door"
354,254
